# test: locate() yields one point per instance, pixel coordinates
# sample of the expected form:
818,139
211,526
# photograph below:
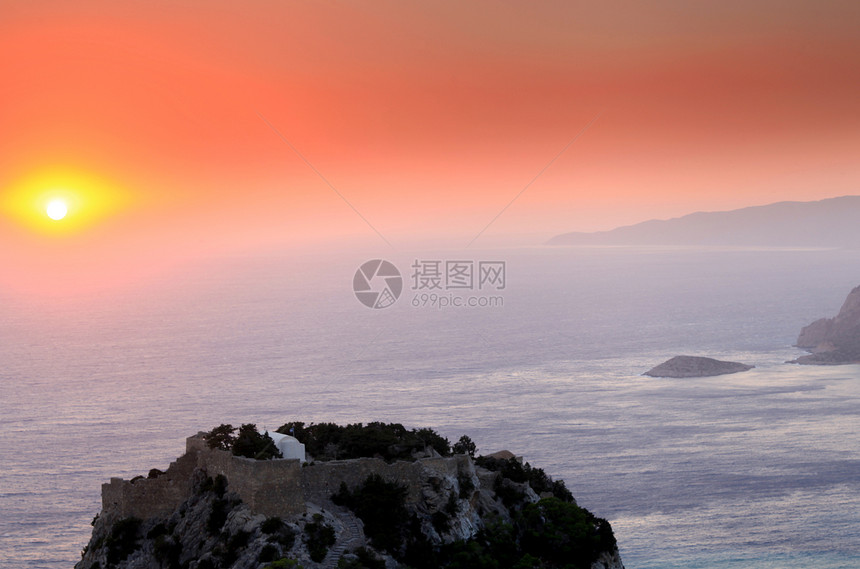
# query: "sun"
61,201
57,209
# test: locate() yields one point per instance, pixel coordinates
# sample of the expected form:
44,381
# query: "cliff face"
212,510
836,340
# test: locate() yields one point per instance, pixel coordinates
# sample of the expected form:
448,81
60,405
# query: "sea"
544,356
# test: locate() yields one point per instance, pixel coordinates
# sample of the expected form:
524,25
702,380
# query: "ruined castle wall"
148,497
322,479
269,487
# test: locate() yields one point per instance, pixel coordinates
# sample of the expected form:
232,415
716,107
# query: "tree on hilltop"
221,437
248,443
465,446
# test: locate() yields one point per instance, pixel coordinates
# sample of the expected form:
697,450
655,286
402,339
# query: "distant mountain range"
833,222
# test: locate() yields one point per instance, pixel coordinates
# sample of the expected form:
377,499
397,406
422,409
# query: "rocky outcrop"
833,341
213,510
695,366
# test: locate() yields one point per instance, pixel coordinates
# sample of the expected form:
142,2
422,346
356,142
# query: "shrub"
230,551
510,495
560,491
431,438
167,551
467,487
157,530
122,540
365,560
219,486
217,516
286,537
465,446
319,536
268,553
441,522
538,480
563,534
238,540
271,525
381,506
451,505
368,559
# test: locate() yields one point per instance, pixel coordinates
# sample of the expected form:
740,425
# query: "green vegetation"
553,533
221,505
381,505
392,441
550,534
271,525
123,540
167,550
248,442
538,480
465,446
564,535
365,559
285,536
217,516
221,437
268,553
512,496
227,547
319,536
467,487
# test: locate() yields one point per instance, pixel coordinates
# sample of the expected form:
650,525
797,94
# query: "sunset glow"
82,201
415,121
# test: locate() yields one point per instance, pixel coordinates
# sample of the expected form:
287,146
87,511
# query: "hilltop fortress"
212,509
269,487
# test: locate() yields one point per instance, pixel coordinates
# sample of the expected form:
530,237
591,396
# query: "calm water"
760,469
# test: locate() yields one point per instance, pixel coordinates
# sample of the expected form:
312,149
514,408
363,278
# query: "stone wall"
149,497
322,479
269,487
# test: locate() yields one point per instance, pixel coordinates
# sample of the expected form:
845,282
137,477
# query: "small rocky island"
375,496
696,366
833,341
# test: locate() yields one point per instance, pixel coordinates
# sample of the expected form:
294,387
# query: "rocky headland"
825,223
415,502
695,366
833,341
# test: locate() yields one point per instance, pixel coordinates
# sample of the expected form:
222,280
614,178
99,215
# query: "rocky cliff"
833,341
213,510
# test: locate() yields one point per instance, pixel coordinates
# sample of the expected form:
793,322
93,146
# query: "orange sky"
427,116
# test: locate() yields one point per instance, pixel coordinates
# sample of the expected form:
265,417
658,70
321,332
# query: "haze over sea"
759,469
